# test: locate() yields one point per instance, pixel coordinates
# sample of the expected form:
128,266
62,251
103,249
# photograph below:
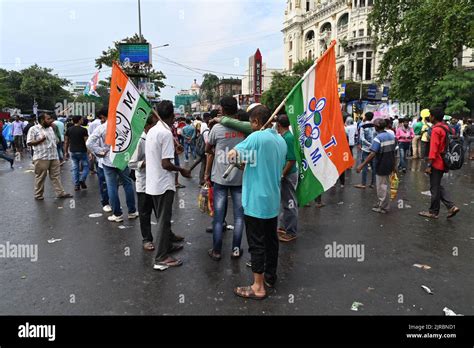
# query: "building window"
360,54
291,6
361,32
369,31
341,73
368,54
290,64
291,45
310,55
352,69
360,69
307,6
310,35
368,69
362,3
354,33
370,2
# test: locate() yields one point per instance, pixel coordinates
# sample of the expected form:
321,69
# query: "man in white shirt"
159,154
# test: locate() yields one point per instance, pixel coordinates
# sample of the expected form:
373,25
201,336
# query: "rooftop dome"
195,85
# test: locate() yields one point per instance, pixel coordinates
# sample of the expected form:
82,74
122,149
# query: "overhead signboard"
135,53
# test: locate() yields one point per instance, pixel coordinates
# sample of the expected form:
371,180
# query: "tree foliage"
208,88
112,54
282,83
19,89
455,91
420,38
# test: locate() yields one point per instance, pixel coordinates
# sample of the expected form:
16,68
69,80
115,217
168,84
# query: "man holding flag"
116,140
322,153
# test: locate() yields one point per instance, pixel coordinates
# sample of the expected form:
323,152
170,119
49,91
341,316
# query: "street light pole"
139,22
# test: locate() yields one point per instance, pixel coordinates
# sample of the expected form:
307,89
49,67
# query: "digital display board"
135,53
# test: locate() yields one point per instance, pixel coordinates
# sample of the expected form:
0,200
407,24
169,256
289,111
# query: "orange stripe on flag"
117,85
332,125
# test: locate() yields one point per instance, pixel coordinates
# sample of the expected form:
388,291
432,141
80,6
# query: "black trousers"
263,244
145,209
438,192
163,209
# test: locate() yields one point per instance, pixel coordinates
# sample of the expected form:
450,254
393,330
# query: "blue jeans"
78,158
104,196
187,147
220,203
59,146
112,176
403,148
365,169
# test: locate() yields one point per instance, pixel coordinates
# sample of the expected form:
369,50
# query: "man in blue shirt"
189,134
264,153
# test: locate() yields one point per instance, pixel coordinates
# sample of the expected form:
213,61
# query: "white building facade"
310,26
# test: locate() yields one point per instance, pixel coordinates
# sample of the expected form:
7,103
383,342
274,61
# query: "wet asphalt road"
90,271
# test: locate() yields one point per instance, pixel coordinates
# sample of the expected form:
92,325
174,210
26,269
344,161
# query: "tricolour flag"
321,146
127,115
91,87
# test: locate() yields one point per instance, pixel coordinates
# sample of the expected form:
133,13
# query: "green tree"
282,83
33,83
455,91
421,39
6,95
112,54
208,88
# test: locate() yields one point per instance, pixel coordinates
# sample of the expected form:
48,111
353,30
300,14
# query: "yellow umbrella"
425,113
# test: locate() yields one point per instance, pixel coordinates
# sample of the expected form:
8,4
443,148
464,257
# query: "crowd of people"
244,156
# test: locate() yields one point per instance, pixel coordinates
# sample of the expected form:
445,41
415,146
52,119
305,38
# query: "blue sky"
67,35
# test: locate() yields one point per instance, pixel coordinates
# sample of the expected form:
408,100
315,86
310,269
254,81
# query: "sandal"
247,292
65,195
213,255
360,186
428,214
180,186
453,211
148,246
286,237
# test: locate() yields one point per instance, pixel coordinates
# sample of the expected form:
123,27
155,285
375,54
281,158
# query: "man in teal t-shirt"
264,153
288,219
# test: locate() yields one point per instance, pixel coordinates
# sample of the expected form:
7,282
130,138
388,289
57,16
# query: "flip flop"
428,214
247,292
286,237
453,211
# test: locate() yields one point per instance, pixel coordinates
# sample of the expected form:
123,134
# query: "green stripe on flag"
138,120
308,186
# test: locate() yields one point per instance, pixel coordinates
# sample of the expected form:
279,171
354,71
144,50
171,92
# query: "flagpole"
273,116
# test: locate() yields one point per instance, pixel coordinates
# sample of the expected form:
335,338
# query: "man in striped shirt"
45,156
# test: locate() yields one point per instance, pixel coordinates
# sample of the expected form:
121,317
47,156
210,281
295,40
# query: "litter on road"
422,266
53,240
427,289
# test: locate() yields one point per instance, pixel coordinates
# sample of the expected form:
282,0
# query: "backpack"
453,154
201,144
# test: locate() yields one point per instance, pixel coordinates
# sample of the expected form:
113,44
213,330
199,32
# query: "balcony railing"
342,28
309,43
356,41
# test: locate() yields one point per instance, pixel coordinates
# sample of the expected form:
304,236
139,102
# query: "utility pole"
139,22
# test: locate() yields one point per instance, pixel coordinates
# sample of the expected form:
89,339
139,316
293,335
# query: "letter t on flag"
127,115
